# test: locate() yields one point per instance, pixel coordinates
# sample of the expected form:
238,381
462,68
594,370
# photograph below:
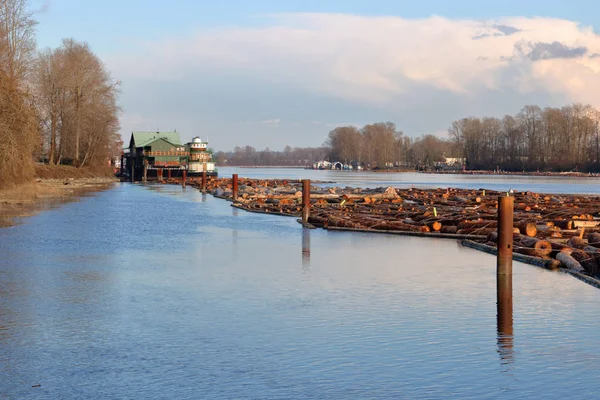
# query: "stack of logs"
565,228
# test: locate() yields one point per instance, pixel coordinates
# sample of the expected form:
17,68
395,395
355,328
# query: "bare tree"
17,30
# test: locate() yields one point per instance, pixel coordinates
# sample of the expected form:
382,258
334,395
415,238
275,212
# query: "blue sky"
239,72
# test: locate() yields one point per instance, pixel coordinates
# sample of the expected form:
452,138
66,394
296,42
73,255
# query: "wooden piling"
235,186
305,199
169,174
184,178
145,171
505,235
203,181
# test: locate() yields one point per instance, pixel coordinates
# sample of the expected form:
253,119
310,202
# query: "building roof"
141,139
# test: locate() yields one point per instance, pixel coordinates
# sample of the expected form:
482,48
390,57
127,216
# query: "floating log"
569,262
527,228
587,261
540,247
594,239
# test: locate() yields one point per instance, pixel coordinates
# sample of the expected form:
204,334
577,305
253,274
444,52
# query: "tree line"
558,139
58,106
549,139
289,157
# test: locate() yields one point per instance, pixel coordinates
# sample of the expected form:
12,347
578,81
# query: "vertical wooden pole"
505,235
183,178
169,174
235,186
504,295
160,175
145,171
132,168
203,181
305,199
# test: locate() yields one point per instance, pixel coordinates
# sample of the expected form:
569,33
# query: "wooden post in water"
504,296
203,181
235,186
305,199
130,160
183,178
505,235
169,174
160,174
145,171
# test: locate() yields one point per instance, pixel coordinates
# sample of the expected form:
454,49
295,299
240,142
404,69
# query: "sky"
270,73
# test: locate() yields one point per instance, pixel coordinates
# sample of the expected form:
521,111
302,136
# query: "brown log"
594,239
477,224
540,247
577,242
435,226
587,261
563,223
448,229
527,228
569,262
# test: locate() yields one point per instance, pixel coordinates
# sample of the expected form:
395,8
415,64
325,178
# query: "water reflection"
234,234
305,248
505,319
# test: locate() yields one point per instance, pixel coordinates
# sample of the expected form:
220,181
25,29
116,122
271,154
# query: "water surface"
159,292
367,179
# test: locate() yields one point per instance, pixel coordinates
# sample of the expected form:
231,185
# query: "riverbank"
53,186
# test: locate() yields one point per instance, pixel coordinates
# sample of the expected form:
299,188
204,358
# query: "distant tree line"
549,139
557,139
58,106
381,145
249,156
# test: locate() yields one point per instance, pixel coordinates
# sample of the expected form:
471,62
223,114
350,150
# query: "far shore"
441,172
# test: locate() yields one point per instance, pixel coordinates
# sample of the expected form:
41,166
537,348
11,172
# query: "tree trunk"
52,138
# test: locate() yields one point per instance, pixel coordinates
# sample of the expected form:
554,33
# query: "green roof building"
152,152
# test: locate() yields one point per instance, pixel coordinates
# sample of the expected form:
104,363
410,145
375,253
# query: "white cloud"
271,122
375,59
386,63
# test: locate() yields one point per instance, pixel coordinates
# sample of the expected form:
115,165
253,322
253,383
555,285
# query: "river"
160,292
367,179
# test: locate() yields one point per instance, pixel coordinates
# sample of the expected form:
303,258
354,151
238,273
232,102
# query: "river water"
366,179
159,292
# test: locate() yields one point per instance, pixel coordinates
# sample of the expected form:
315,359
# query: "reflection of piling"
183,179
305,247
505,235
305,199
505,317
235,186
203,181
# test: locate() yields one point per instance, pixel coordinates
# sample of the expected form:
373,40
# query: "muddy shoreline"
28,199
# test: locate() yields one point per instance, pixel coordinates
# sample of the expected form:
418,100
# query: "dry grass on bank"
43,171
